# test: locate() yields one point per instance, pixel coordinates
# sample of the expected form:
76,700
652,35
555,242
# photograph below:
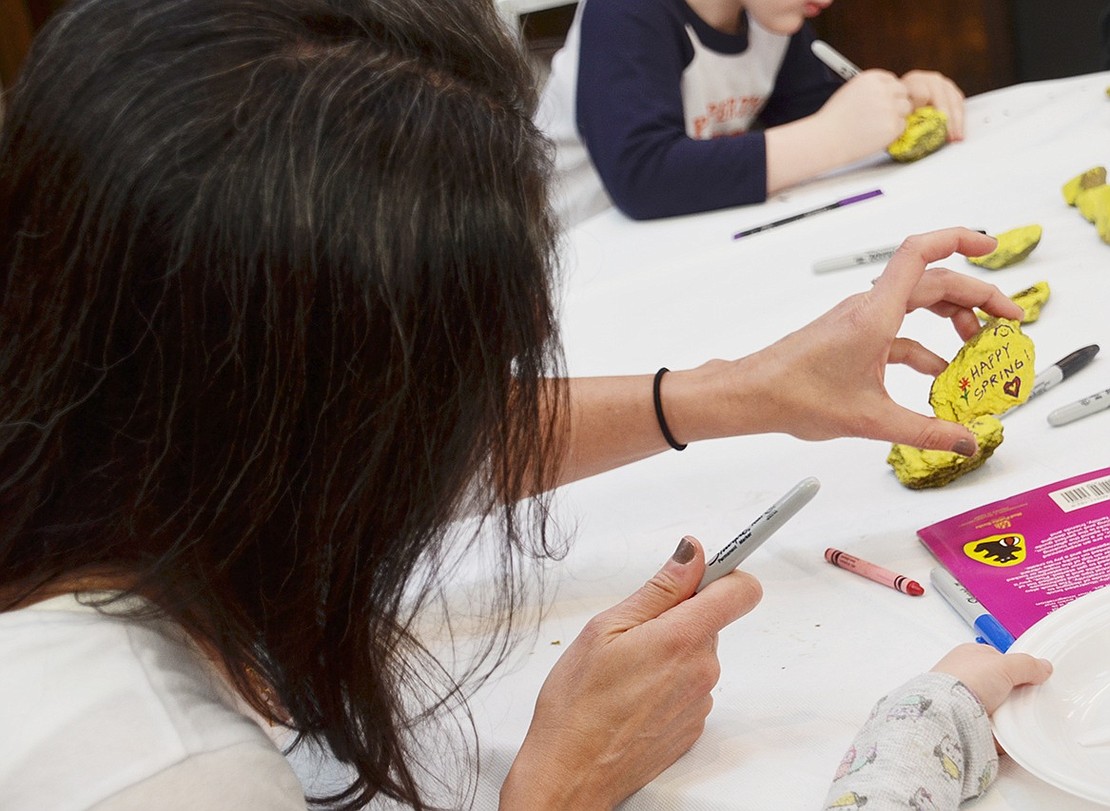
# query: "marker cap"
993,633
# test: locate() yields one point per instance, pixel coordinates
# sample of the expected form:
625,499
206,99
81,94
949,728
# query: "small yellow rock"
1013,246
926,131
1095,176
919,469
1091,201
1031,299
992,373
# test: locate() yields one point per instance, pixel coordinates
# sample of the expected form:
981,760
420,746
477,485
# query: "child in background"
667,107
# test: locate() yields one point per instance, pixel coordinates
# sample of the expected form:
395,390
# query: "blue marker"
990,630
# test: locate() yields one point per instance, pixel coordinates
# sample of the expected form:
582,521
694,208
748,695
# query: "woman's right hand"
827,379
631,693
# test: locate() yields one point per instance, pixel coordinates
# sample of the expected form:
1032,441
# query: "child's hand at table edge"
991,675
630,695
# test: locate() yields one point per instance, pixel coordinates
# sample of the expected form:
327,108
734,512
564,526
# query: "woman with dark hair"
277,347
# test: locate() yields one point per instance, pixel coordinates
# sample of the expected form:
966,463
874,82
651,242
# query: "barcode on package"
1082,495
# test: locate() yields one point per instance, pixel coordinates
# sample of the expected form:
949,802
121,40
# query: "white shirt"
99,712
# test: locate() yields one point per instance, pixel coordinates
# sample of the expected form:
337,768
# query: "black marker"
1062,369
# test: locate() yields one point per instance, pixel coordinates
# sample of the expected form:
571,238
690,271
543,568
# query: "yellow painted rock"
919,469
1095,176
926,131
1091,201
1013,246
992,373
1031,299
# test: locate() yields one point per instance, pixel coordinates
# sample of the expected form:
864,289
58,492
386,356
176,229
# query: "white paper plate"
1060,730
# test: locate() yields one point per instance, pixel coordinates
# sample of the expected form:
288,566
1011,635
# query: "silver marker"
734,552
1080,408
836,61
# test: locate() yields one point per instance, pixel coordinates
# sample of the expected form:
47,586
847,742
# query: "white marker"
1080,408
855,259
834,59
762,528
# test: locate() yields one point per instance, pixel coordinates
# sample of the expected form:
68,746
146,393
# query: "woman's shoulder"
93,703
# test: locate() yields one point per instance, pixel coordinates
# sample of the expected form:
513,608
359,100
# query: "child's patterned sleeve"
926,746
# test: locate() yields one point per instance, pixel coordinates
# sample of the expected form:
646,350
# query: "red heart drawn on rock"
1013,387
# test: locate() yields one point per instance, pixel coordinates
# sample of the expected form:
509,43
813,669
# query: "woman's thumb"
671,585
932,433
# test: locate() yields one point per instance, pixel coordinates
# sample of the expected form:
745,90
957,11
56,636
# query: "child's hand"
867,113
991,675
936,89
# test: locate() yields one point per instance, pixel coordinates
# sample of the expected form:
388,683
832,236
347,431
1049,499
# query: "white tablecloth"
801,672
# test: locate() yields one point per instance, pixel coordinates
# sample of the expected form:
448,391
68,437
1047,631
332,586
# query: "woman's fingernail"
684,553
965,447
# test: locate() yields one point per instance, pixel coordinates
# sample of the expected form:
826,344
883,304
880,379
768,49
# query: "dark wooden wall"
970,41
981,44
19,20
15,37
1061,37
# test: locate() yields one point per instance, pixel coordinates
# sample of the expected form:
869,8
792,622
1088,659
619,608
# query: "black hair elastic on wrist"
667,435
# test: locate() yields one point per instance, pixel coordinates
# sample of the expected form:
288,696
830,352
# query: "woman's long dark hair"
275,308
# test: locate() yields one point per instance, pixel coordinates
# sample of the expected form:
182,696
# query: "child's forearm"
803,149
930,738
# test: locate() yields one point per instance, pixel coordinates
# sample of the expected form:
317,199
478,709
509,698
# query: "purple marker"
847,201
